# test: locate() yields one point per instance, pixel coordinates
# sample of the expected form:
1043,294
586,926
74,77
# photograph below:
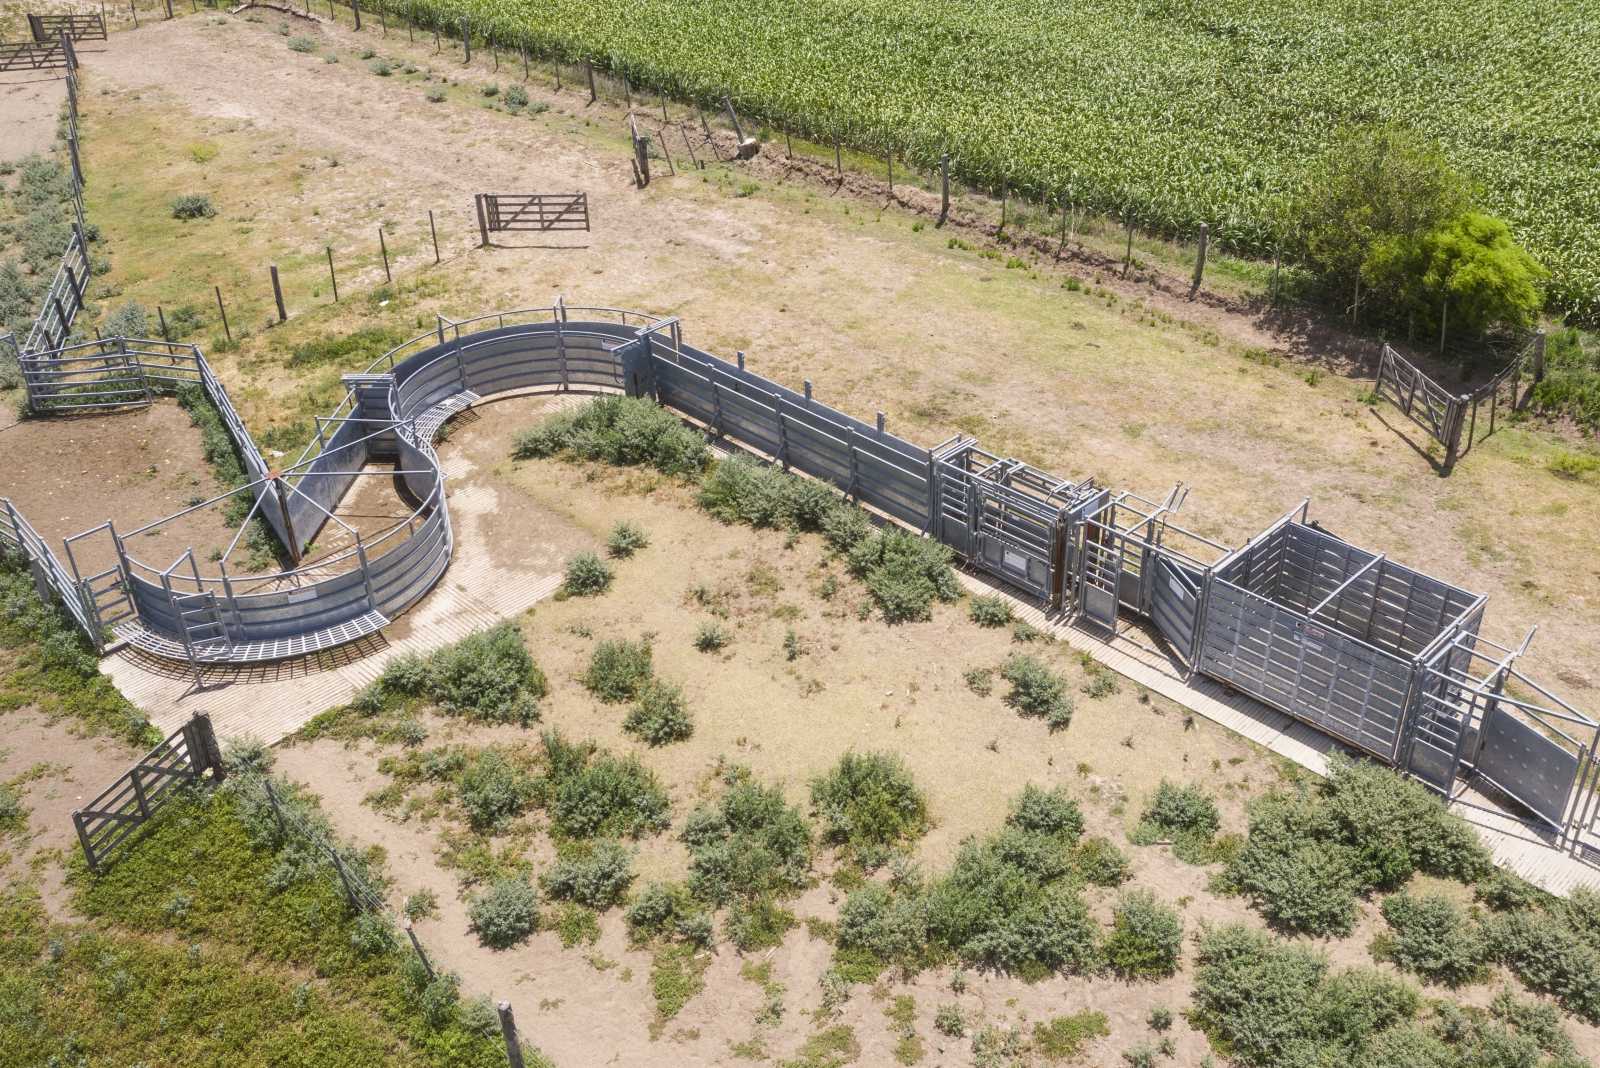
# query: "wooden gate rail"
530,212
45,55
47,29
105,824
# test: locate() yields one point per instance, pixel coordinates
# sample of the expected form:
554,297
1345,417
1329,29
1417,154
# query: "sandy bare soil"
29,101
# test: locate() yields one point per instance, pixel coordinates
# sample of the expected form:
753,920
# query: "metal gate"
1099,578
1175,604
538,212
1012,520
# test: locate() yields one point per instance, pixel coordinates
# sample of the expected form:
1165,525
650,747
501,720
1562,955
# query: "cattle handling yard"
731,597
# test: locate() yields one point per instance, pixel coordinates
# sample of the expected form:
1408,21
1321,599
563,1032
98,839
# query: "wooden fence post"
508,1028
1200,260
277,295
355,9
466,41
161,317
588,69
1061,248
344,877
944,188
334,278
416,945
383,249
434,230
1127,259
838,160
224,313
1538,357
483,220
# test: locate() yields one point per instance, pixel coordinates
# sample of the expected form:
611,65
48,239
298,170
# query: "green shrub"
607,797
990,610
750,843
626,539
302,44
905,573
1505,891
131,320
1050,812
1100,863
381,67
668,911
493,791
711,637
1037,691
949,1021
487,676
505,914
661,715
869,802
192,206
516,97
587,576
1549,957
757,923
1146,937
596,876
620,431
435,95
1064,1037
1309,888
13,813
1432,937
619,670
1175,810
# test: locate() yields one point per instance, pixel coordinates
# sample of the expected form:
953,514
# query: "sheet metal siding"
1312,672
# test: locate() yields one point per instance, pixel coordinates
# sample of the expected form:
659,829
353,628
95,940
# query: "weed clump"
626,539
619,670
594,875
1146,937
710,637
192,206
1310,854
493,791
516,97
1187,817
661,716
621,431
990,610
1037,691
749,843
587,576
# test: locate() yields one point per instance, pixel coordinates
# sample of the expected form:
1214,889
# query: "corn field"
1179,111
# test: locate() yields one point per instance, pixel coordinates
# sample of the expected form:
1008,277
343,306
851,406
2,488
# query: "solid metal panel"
1527,764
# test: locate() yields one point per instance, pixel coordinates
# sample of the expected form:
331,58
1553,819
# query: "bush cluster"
869,804
1037,691
593,794
1185,816
748,843
493,791
487,677
1310,854
1010,902
990,610
1432,937
621,431
1272,1003
1550,954
626,539
192,206
904,572
669,911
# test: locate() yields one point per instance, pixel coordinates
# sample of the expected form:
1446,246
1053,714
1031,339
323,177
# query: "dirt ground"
66,475
29,101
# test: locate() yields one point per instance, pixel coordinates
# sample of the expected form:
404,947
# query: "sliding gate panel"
1337,684
1175,603
1526,764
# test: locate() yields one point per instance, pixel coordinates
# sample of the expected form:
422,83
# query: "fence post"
1452,449
416,945
355,8
1538,357
1200,260
466,41
434,230
838,160
227,332
334,278
288,523
133,10
161,316
944,188
588,69
483,220
83,840
349,891
508,1028
383,248
169,9
1127,259
277,295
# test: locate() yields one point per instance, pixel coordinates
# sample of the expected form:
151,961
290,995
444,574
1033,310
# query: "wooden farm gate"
28,55
537,212
47,29
105,824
